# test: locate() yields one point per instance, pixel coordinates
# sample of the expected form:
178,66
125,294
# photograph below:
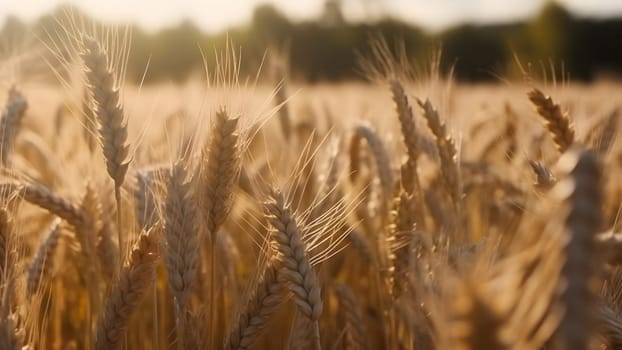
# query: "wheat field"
410,212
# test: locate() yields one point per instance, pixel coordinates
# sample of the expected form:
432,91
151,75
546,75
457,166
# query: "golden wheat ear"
581,191
381,156
136,277
557,123
51,201
10,123
406,119
109,112
446,148
267,295
42,264
352,316
399,242
220,170
294,267
104,88
182,243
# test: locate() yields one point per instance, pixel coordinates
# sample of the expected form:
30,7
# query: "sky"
217,15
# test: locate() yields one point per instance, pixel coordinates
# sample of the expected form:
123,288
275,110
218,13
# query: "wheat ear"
267,295
10,124
556,122
356,337
406,119
447,151
221,167
410,177
49,200
134,282
102,83
294,267
399,241
220,170
383,161
46,198
182,242
581,190
43,263
100,225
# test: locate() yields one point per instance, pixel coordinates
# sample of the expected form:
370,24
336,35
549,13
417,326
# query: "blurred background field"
324,40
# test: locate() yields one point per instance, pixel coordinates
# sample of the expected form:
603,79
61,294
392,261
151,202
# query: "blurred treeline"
329,48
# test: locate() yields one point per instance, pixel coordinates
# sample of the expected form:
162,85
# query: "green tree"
270,25
550,32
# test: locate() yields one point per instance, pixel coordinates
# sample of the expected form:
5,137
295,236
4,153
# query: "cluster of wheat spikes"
332,233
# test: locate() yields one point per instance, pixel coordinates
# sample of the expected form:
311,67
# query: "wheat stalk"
281,101
399,241
219,173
